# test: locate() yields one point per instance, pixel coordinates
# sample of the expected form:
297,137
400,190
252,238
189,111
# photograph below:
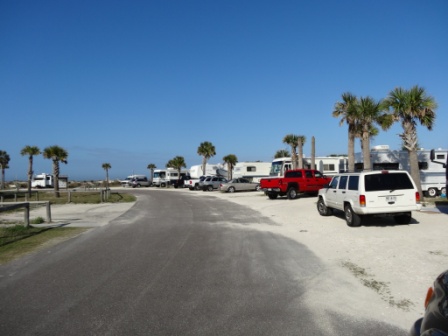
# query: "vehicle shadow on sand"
373,221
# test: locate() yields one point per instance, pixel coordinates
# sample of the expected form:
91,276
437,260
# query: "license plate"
391,199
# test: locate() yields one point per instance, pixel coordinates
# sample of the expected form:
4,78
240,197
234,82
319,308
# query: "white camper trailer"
432,175
327,165
47,181
252,170
210,169
165,177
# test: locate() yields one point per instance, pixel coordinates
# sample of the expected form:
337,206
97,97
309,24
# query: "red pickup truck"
295,181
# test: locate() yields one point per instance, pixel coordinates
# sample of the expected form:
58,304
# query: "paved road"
174,264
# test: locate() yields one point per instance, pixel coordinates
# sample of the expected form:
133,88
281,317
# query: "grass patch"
16,241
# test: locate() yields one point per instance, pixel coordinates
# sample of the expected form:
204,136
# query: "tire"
322,208
210,188
196,187
291,193
403,219
257,188
163,185
432,192
192,188
443,191
272,195
231,189
351,218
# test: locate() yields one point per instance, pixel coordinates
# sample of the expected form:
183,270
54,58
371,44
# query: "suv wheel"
291,193
351,218
322,208
210,188
403,219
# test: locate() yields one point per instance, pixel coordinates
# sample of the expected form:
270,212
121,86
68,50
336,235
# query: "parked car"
435,320
238,184
372,193
211,182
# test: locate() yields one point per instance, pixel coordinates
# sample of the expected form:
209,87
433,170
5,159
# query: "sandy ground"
397,262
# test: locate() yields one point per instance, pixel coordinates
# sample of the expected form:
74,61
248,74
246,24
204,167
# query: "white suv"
378,193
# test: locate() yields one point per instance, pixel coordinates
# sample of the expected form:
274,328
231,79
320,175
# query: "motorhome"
432,174
252,170
47,181
327,165
168,176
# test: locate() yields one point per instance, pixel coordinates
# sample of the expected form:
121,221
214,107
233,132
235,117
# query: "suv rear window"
377,182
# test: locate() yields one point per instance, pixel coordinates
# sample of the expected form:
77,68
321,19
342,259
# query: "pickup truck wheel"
210,188
432,192
191,188
351,218
272,196
196,187
231,189
403,219
163,185
322,208
291,193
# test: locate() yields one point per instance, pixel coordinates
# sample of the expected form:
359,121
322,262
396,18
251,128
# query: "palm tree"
177,163
206,150
292,140
31,151
106,166
151,168
281,153
56,154
409,107
369,112
4,164
347,112
301,139
231,161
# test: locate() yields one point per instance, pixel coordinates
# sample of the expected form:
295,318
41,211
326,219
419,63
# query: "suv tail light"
362,200
417,197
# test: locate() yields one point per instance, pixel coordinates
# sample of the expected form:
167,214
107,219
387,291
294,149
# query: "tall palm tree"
206,150
31,151
301,139
56,154
231,161
151,168
4,164
281,153
177,163
369,112
291,140
409,107
106,166
347,112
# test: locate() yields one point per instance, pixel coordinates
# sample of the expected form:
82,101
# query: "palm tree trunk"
56,178
366,150
30,174
351,152
415,171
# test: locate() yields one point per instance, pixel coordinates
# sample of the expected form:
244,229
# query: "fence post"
27,215
48,212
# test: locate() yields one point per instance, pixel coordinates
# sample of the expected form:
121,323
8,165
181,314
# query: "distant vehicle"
295,181
435,320
373,193
135,181
211,182
432,174
239,184
47,181
252,170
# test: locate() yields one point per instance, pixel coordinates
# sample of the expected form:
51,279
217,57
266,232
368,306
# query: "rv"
327,165
47,181
432,174
168,176
210,169
252,171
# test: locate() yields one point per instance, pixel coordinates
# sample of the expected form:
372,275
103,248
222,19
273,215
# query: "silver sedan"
239,184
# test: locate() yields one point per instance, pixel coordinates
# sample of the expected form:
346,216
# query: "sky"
136,82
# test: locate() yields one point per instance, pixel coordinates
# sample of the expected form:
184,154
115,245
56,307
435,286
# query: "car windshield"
397,181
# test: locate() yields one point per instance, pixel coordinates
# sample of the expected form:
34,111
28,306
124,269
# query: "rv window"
251,169
329,167
386,166
423,165
440,156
